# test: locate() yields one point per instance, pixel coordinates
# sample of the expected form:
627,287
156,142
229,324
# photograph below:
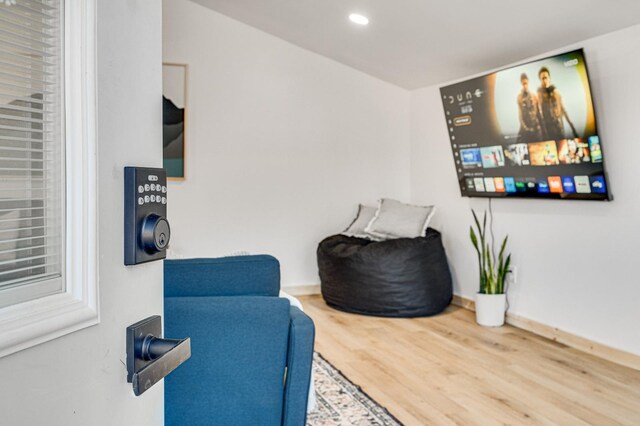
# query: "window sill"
38,321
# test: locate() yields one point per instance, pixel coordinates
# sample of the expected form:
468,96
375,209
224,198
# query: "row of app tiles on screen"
551,184
546,153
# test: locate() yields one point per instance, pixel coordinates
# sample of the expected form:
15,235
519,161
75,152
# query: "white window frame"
37,321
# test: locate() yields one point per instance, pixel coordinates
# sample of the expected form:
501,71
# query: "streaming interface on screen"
527,131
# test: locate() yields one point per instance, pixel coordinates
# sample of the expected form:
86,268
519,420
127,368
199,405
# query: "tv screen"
527,131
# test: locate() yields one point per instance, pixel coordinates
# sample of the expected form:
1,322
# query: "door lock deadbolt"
155,233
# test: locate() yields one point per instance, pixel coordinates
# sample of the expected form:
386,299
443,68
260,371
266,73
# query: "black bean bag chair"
404,277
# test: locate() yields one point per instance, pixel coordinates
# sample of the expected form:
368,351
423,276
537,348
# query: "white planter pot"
490,309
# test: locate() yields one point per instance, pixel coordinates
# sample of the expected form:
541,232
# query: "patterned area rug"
341,403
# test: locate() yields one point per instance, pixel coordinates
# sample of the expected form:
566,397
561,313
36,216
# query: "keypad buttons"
164,189
140,189
146,198
146,187
164,200
140,200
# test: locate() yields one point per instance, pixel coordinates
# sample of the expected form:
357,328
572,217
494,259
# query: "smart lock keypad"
147,230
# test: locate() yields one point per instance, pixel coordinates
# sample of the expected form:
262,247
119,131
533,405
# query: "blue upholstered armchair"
251,351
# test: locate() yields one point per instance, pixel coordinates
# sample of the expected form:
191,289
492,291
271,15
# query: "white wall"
577,260
80,379
282,144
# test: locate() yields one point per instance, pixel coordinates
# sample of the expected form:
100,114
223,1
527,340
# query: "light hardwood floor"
446,370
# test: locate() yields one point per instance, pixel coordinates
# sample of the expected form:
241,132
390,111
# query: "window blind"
31,147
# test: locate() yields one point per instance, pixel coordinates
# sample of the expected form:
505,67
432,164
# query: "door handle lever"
151,358
154,347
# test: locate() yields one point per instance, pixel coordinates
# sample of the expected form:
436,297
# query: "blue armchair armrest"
299,360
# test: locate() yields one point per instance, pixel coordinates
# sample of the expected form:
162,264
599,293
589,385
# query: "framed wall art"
174,114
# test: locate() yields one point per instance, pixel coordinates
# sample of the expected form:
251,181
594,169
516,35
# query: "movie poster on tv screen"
533,123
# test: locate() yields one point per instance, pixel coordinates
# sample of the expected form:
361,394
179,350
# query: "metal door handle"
151,358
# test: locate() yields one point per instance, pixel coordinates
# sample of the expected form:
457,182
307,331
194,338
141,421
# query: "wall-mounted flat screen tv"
527,131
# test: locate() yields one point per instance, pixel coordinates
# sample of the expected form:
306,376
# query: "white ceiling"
416,43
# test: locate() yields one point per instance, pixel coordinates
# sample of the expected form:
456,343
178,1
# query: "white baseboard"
585,345
302,290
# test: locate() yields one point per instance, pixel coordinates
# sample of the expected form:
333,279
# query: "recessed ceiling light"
359,19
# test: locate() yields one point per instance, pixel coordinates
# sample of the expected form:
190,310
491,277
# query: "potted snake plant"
491,298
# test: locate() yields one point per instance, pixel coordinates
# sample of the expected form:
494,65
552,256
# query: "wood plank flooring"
446,370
